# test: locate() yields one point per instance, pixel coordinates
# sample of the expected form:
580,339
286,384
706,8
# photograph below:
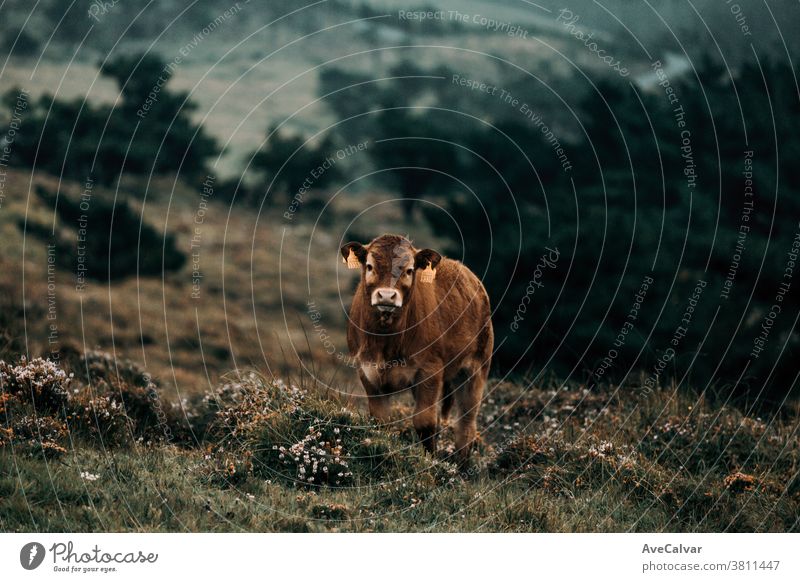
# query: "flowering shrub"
565,468
39,435
301,438
42,405
315,461
227,468
101,365
33,395
102,417
264,419
39,428
39,382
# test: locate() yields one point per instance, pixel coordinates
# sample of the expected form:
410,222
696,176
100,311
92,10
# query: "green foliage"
150,131
407,146
677,214
20,42
631,205
417,166
116,242
289,165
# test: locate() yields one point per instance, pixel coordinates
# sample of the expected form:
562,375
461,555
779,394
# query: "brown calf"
422,322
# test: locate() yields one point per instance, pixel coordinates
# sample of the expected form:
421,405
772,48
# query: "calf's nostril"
386,296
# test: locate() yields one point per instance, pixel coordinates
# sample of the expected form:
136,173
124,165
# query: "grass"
266,456
155,437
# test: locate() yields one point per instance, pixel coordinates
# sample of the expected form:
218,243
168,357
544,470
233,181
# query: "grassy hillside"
194,378
259,455
148,433
258,272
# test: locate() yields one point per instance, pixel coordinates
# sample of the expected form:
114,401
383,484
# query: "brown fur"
438,344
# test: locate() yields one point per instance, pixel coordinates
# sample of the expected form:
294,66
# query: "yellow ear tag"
352,261
428,274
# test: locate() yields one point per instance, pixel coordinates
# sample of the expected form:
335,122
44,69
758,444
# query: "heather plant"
39,382
33,397
301,438
44,405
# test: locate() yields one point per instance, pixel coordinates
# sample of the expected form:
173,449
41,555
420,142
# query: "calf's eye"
369,268
410,272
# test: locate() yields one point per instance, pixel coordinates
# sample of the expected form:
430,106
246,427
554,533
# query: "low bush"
301,438
44,407
117,242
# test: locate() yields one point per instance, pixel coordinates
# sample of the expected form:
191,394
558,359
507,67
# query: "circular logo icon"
31,555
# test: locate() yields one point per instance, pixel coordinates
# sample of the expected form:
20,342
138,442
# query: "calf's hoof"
427,436
466,467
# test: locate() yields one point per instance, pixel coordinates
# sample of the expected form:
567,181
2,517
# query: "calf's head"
390,267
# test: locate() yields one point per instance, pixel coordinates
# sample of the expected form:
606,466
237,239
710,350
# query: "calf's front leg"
379,403
428,388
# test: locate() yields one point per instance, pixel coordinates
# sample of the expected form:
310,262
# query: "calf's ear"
353,254
427,260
